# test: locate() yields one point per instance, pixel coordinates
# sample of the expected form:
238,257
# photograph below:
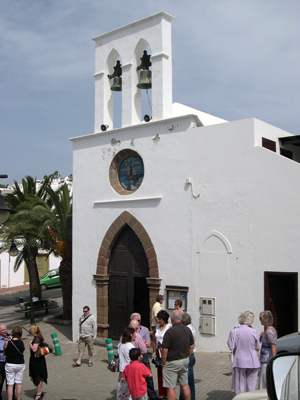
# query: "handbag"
157,362
43,350
113,365
231,353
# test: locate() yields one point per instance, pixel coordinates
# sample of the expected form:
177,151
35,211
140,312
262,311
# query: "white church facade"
186,205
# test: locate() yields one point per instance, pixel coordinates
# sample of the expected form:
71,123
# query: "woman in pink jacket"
244,341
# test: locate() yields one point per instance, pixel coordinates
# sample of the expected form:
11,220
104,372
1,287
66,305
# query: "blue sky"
231,58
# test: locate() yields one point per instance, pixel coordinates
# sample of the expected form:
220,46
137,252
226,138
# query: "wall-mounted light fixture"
104,127
147,118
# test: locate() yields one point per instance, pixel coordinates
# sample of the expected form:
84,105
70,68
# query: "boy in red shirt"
135,373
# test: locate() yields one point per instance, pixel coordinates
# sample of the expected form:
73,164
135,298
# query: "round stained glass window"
131,172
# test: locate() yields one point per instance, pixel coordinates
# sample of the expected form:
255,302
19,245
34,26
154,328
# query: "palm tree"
55,218
20,225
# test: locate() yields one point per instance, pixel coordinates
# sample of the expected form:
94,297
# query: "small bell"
145,80
117,84
145,77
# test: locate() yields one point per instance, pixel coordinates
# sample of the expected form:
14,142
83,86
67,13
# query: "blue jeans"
191,381
150,384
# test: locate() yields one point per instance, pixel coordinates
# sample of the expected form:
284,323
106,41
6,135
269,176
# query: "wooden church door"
128,289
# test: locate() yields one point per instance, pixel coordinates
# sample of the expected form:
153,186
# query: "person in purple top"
268,345
244,341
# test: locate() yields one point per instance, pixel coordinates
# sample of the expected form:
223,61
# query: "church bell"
145,77
145,80
117,84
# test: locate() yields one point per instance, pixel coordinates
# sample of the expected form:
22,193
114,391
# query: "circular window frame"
114,171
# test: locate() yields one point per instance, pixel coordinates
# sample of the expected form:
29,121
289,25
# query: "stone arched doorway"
102,276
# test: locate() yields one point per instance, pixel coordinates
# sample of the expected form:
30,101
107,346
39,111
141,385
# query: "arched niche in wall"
114,104
143,97
214,264
215,242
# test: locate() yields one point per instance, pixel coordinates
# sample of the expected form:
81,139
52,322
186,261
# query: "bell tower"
127,45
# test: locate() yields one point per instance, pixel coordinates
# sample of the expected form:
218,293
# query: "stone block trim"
102,278
114,171
126,218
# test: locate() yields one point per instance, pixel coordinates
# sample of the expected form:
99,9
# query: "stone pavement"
212,370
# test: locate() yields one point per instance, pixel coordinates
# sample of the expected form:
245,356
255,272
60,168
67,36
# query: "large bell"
117,84
145,80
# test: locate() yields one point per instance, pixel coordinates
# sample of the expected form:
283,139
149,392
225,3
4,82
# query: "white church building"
186,205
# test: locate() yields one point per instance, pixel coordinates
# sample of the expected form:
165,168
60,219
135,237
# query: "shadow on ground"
220,395
65,330
113,395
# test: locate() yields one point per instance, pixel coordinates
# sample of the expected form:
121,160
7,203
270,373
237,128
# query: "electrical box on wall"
208,326
207,305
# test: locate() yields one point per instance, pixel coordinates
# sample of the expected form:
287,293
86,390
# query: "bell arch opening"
103,278
114,68
143,97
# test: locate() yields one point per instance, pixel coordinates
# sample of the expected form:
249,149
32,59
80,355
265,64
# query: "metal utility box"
207,305
208,326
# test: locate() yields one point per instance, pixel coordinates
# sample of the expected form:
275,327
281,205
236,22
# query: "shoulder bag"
43,350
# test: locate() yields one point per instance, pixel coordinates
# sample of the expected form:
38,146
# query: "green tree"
55,218
20,225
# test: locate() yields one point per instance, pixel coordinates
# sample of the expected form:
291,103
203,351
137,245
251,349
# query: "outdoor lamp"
13,251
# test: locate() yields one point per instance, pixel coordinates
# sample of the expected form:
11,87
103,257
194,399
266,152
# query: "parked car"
289,343
282,379
50,279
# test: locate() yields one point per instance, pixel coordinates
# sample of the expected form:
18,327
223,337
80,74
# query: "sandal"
39,396
90,364
76,364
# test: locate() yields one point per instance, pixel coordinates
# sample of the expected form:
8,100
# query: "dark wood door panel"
118,303
128,289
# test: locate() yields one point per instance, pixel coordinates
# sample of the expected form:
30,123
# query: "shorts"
14,373
175,372
86,341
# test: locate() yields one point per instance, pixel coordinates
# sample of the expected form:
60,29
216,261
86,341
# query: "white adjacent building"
187,205
8,277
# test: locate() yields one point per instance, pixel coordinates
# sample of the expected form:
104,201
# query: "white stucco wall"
9,278
247,193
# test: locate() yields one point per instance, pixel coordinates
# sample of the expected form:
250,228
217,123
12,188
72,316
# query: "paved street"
212,370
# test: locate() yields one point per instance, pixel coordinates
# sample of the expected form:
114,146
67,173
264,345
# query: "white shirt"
88,328
194,335
123,351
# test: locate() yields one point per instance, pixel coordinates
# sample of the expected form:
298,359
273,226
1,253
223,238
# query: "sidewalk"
212,370
13,289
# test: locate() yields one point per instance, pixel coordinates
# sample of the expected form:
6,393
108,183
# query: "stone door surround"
102,277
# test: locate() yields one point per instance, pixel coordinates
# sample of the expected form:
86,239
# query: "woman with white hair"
268,345
244,342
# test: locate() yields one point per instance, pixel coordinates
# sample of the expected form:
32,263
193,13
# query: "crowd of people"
245,343
173,345
12,361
